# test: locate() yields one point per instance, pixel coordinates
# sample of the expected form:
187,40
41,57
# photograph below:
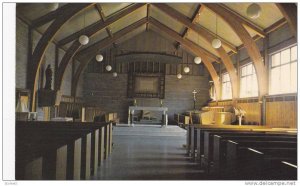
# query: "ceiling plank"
185,21
103,18
258,30
102,44
191,47
289,11
49,16
95,47
100,24
43,44
249,43
193,20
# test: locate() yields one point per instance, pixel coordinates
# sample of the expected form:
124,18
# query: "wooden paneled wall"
253,112
281,111
220,103
67,106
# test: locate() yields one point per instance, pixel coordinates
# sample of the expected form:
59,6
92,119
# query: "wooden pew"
200,129
197,132
253,159
60,129
58,135
220,141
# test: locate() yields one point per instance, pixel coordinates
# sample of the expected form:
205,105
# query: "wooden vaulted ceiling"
189,25
206,19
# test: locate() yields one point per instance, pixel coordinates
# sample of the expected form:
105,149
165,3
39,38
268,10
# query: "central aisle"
148,153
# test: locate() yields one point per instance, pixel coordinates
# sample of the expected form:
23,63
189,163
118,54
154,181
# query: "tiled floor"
149,153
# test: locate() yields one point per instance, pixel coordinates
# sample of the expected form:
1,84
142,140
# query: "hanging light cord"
84,23
216,26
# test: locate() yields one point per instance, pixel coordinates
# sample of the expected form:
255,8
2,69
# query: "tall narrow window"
248,83
226,87
283,71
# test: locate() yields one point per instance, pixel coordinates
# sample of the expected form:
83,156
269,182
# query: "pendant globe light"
115,74
108,67
83,39
99,57
253,11
187,68
179,76
216,43
198,59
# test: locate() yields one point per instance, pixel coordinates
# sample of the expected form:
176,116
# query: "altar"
164,110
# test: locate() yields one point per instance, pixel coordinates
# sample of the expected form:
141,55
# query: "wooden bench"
82,142
195,136
217,152
258,159
44,134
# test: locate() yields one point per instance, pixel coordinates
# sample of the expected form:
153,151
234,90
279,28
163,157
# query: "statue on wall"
48,74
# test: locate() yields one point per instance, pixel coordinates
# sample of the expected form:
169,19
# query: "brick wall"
49,58
110,94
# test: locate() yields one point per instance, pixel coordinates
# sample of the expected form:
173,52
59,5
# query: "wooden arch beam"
193,48
289,11
249,44
50,16
185,21
102,44
255,28
40,49
90,33
209,38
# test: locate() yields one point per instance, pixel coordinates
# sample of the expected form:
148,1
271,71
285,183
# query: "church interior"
156,91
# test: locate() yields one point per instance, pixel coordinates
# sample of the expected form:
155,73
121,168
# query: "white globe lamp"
99,57
179,76
115,74
186,69
83,39
216,43
108,68
253,11
197,60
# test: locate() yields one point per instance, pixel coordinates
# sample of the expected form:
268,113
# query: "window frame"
253,73
281,65
228,81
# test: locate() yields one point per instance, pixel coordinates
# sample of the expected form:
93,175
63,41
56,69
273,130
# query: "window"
248,83
226,87
283,71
